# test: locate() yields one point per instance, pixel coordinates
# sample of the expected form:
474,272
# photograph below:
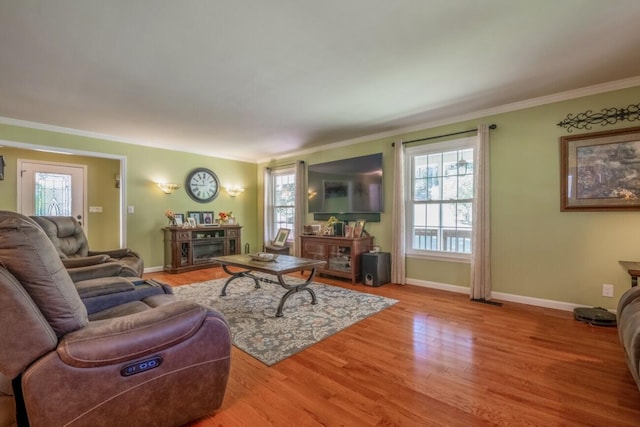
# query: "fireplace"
204,250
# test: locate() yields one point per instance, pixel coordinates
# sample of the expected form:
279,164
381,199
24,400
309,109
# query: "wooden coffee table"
284,264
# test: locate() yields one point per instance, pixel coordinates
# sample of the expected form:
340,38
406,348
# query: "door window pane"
53,194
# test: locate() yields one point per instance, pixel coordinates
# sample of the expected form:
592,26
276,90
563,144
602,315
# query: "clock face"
202,185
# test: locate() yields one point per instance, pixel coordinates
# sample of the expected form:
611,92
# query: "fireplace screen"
207,249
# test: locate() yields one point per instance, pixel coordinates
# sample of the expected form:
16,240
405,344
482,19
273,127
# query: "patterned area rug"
251,314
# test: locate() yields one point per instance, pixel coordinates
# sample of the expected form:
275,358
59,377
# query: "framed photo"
338,228
191,221
600,171
207,218
348,231
281,237
197,217
358,228
179,218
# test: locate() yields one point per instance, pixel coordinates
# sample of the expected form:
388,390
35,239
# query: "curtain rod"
492,126
286,165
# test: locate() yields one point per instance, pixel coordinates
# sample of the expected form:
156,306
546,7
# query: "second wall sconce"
168,188
234,191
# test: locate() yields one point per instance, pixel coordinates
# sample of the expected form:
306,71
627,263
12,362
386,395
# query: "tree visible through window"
441,197
284,200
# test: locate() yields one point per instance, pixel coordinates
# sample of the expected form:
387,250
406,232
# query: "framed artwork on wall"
600,171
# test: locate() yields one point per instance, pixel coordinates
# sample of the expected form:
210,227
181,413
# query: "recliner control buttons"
140,366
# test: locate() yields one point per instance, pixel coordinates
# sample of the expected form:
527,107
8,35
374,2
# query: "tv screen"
346,186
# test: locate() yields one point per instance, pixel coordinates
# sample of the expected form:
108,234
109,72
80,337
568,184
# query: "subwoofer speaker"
376,268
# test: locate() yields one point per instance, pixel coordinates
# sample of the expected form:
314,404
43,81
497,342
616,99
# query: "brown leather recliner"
157,361
69,239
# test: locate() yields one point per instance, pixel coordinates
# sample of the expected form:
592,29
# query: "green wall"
537,251
145,166
102,227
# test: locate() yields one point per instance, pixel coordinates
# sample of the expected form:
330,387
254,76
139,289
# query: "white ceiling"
252,80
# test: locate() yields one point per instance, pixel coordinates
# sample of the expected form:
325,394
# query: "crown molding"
520,105
96,135
507,108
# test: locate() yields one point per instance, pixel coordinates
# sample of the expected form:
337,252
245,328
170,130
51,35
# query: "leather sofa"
7,403
157,361
103,279
628,312
72,245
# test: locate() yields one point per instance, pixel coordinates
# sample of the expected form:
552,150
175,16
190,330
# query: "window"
284,200
53,194
440,198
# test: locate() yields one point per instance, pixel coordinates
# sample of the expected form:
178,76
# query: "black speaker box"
376,268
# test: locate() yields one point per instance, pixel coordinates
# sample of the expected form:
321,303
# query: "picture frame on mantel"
600,171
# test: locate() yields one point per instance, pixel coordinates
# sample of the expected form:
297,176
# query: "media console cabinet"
341,255
187,249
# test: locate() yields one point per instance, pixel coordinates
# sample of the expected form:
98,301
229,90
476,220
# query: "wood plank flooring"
436,359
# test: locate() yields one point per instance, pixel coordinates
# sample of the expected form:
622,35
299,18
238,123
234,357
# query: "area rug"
251,314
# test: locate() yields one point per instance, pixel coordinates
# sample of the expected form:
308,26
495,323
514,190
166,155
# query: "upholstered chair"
157,361
7,403
69,239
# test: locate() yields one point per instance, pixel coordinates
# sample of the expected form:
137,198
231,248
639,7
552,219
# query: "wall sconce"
168,188
312,194
234,191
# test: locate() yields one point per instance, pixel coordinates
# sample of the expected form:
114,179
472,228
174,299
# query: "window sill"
440,256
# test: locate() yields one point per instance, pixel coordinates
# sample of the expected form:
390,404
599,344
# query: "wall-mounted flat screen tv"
346,186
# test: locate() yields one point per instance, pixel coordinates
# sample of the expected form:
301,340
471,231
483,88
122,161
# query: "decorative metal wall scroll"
606,116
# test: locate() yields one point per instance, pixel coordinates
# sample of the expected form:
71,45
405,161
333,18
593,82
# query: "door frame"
85,177
123,174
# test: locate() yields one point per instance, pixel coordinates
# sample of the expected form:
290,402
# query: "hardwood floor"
436,359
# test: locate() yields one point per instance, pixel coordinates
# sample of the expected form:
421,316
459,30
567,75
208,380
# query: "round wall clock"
202,185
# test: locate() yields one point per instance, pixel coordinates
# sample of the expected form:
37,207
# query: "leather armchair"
7,403
157,361
628,320
69,239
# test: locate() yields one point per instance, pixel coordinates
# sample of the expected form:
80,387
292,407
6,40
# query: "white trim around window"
439,199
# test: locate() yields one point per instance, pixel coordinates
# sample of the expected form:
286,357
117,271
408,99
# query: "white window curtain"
301,206
268,207
481,237
398,273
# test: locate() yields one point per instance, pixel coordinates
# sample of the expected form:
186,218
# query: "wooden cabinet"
188,249
341,255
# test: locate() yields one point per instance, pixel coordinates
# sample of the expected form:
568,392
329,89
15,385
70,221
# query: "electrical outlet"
607,290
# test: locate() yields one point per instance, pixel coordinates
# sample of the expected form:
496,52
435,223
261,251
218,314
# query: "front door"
52,189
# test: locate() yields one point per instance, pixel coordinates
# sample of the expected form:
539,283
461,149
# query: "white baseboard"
539,302
153,269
